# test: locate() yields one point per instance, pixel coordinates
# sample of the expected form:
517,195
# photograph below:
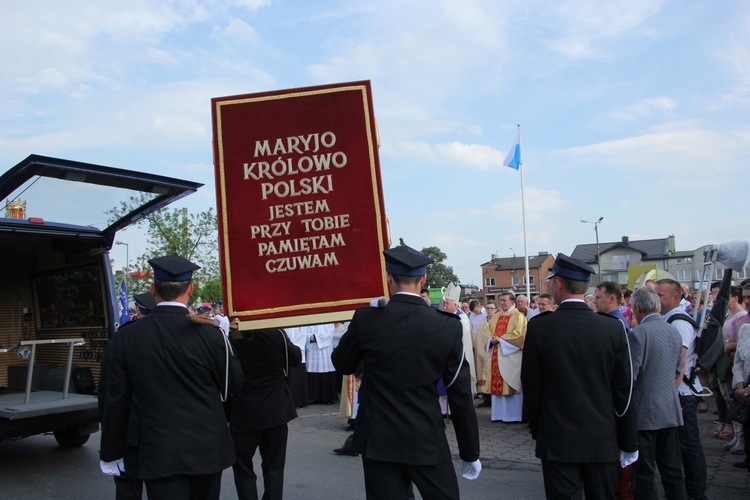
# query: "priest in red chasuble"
505,349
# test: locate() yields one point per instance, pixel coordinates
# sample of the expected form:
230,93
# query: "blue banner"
122,303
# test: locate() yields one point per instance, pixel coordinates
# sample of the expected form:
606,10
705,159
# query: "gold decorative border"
225,237
292,321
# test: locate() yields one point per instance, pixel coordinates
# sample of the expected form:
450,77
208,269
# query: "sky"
635,111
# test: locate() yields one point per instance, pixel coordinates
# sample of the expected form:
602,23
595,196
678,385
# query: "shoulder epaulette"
202,321
448,314
607,315
545,313
125,325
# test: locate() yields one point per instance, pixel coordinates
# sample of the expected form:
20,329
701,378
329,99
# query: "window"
71,298
684,260
515,280
719,274
531,280
744,274
609,277
489,281
620,261
685,276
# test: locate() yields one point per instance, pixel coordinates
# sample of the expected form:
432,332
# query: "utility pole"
598,253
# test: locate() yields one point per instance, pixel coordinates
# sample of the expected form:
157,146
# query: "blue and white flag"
513,160
122,303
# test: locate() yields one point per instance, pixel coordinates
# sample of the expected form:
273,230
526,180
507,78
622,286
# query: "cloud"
736,55
458,154
587,26
469,155
180,124
239,31
161,57
468,233
47,78
136,24
91,43
420,62
250,4
540,203
667,153
646,107
129,84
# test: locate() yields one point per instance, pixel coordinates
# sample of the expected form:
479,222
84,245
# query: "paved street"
508,452
37,468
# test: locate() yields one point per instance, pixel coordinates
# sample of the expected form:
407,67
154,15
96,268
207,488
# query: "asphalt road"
36,467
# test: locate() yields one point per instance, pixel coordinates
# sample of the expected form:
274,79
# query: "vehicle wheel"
70,438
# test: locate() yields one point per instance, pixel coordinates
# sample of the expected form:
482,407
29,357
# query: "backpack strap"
684,317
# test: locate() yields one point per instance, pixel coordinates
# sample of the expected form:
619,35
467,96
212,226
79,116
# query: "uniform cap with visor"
173,268
405,261
570,268
145,302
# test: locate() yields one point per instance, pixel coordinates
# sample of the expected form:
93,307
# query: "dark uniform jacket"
132,433
575,374
265,400
407,347
177,369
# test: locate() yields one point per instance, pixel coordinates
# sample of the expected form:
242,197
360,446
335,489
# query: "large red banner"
302,223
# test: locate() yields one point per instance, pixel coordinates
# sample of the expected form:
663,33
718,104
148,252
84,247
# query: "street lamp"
598,254
127,256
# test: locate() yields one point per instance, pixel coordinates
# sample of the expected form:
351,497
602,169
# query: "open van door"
58,290
19,181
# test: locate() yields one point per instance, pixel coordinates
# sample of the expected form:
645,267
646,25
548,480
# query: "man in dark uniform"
261,410
407,346
144,304
127,484
179,368
577,382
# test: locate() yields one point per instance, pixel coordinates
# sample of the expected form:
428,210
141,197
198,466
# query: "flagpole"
523,217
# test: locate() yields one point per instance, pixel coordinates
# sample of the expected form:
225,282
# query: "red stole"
496,379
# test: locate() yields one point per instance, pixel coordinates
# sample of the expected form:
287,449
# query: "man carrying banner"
407,347
180,369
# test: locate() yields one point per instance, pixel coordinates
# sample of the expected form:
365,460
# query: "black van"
58,304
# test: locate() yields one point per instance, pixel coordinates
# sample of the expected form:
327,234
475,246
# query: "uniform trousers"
569,480
391,481
127,484
660,448
272,445
183,486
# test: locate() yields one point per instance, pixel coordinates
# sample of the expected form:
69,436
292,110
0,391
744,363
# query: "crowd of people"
610,398
661,325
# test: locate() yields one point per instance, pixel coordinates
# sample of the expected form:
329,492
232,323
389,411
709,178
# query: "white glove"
627,458
471,470
379,302
112,468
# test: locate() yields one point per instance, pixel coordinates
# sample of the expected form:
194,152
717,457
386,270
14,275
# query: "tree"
438,274
210,291
175,231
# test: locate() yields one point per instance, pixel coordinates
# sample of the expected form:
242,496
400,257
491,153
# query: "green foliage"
438,274
210,291
175,231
